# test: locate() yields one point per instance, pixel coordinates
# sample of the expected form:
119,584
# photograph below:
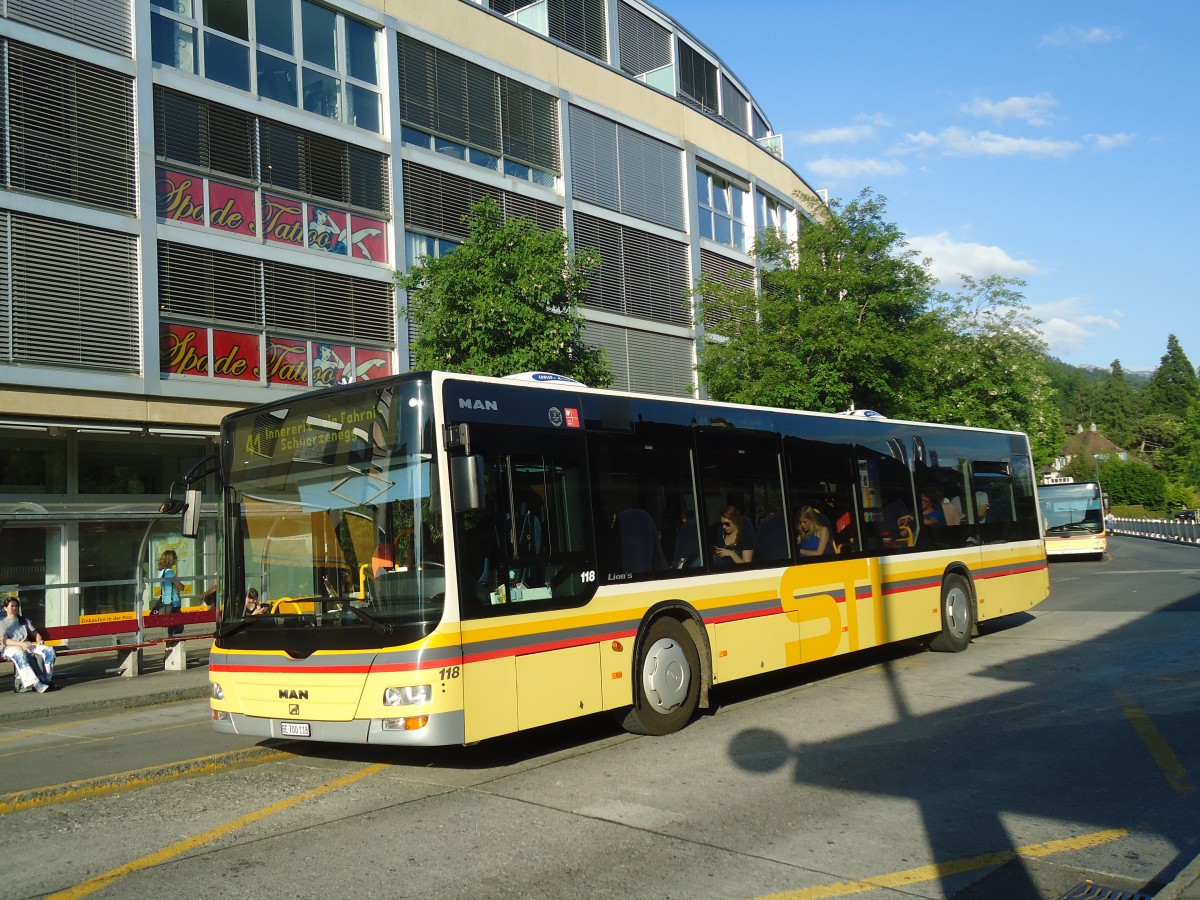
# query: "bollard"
130,661
176,660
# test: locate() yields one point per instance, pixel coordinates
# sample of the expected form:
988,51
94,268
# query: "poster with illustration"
331,364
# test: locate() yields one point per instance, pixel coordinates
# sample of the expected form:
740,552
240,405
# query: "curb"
1185,885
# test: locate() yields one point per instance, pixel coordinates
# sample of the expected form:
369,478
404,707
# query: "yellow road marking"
952,867
136,778
1164,756
160,856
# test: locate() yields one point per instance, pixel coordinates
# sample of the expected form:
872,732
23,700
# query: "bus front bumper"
440,730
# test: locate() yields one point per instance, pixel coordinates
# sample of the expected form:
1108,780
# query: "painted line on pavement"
1160,750
88,788
952,867
167,853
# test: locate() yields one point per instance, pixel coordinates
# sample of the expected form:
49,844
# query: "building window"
69,295
437,202
697,78
303,54
424,246
645,45
640,274
462,110
734,106
721,205
212,137
624,170
770,213
68,127
577,23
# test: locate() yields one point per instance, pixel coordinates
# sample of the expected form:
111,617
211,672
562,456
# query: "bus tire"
958,616
668,691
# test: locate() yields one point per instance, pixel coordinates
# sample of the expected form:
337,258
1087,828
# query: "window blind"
101,23
74,299
70,129
645,45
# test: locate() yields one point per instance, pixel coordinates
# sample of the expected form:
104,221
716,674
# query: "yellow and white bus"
444,558
1073,518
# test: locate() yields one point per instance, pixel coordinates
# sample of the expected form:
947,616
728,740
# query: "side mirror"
172,506
191,514
466,483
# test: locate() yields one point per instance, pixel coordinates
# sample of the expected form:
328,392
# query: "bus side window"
740,474
890,524
644,496
821,475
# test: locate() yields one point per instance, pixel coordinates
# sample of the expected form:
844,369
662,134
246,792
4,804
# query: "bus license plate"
294,729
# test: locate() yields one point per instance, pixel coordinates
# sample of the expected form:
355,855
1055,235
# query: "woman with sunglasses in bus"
734,546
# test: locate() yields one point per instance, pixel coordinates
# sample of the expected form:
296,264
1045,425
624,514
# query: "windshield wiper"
378,627
237,626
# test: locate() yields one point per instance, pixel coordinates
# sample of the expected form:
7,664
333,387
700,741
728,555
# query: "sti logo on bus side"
486,405
285,694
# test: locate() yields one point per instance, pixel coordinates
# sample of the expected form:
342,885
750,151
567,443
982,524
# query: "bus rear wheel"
958,616
668,691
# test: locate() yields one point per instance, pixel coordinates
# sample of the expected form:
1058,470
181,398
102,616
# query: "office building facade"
203,204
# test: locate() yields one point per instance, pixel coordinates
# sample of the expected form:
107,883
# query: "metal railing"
1159,529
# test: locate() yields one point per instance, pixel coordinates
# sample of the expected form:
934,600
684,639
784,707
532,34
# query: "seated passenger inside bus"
812,533
734,544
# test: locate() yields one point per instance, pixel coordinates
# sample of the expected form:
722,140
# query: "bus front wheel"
958,617
669,687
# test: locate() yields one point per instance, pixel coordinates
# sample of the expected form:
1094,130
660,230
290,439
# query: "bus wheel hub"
665,675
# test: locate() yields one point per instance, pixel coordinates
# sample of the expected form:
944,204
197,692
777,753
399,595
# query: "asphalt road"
1062,745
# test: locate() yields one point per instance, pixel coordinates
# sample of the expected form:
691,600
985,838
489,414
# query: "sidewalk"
90,682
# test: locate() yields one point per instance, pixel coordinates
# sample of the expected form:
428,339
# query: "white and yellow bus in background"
1073,518
445,558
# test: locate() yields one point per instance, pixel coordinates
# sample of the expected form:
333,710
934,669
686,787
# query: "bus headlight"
218,693
411,695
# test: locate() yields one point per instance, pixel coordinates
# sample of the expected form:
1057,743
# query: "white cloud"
960,142
1110,141
1068,324
845,134
951,258
1078,36
1035,110
844,167
865,128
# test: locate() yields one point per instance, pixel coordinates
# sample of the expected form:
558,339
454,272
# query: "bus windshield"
333,518
1071,508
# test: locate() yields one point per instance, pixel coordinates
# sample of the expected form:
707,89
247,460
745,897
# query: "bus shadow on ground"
947,762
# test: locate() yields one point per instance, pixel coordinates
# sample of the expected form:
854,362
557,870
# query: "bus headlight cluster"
218,692
410,695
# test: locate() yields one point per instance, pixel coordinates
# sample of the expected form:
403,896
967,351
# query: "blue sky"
1056,142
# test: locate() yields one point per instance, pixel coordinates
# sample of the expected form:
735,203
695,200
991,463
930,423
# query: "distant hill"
1089,372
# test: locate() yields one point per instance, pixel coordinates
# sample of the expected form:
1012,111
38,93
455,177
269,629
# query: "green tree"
1186,459
1116,409
1133,483
507,300
990,368
1174,384
842,318
1076,391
